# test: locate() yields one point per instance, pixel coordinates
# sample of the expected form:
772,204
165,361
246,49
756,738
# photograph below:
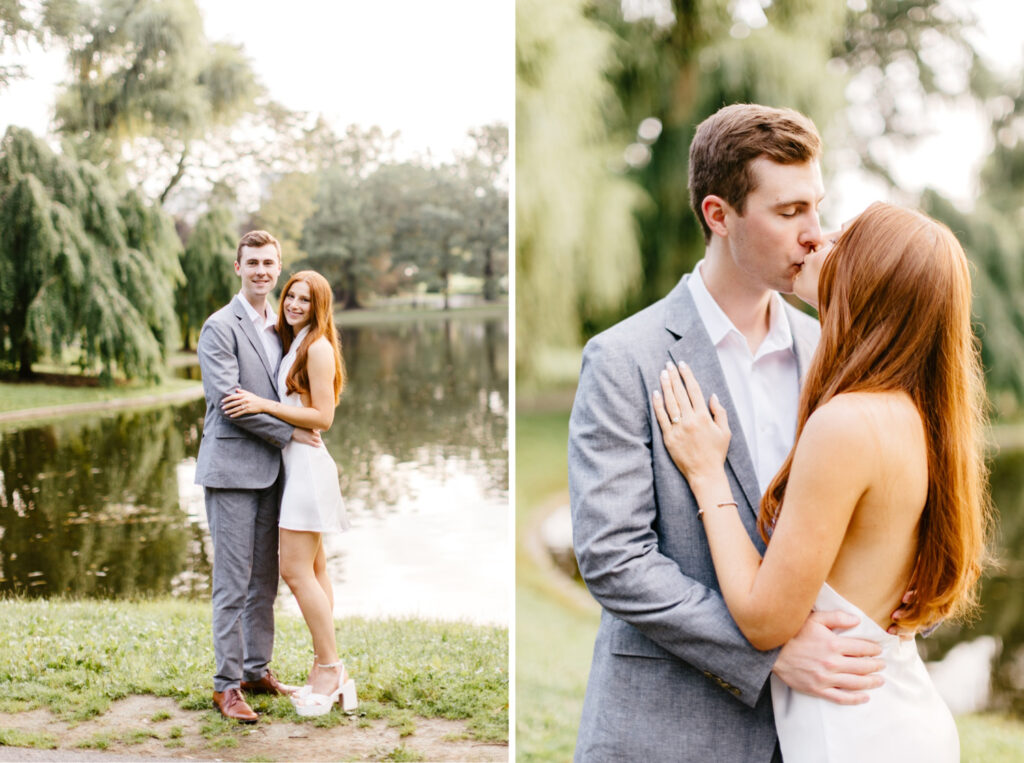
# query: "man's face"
259,268
779,226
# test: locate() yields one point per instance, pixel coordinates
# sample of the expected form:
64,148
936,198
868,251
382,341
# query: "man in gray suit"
239,465
672,677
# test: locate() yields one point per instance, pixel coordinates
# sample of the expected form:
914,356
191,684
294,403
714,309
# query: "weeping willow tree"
576,247
144,69
209,279
80,267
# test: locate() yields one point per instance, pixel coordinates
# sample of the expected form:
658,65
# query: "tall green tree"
576,246
284,211
344,235
433,235
209,279
486,214
143,69
79,266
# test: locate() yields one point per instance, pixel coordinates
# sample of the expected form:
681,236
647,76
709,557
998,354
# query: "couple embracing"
270,486
766,508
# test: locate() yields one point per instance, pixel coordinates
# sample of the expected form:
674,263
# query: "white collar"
719,326
255,317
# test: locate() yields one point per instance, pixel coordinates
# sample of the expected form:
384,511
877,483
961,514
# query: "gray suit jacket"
242,453
672,677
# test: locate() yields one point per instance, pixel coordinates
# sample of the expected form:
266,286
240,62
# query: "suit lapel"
694,348
250,332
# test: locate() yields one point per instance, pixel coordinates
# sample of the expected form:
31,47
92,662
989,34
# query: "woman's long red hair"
895,303
321,324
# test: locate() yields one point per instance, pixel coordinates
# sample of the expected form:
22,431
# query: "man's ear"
714,209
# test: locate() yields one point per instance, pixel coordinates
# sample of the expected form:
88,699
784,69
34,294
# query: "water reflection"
90,507
106,507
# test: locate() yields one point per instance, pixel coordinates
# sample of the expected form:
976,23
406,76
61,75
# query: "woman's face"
298,305
806,284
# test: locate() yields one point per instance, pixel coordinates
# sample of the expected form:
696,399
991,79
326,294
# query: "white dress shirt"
765,386
266,329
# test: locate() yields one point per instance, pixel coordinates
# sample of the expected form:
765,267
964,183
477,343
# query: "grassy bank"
555,637
16,396
376,316
76,657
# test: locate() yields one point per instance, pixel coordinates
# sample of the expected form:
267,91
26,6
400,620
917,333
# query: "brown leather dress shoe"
268,684
232,705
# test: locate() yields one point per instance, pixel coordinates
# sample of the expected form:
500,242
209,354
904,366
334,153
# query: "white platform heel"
309,704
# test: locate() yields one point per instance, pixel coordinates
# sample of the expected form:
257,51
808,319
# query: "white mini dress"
904,719
311,500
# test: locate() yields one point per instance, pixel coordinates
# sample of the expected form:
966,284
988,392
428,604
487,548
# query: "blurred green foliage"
607,106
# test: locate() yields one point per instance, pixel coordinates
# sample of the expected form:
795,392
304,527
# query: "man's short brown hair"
730,139
257,238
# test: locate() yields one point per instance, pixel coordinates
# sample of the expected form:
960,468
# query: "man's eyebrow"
796,202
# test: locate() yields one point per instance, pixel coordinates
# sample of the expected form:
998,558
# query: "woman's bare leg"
299,552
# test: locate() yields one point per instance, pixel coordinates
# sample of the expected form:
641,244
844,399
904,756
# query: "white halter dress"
311,500
905,718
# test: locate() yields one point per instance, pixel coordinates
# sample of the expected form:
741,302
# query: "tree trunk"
490,287
447,277
351,295
25,354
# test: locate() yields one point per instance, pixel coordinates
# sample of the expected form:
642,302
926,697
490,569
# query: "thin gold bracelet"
700,512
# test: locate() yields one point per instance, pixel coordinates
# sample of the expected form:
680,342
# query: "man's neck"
745,304
258,303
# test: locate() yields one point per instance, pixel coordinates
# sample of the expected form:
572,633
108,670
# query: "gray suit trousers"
243,527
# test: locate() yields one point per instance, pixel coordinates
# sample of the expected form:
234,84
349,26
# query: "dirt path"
144,727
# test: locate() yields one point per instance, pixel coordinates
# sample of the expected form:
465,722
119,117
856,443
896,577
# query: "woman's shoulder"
321,346
859,417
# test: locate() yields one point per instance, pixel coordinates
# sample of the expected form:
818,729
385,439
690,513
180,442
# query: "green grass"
101,740
401,753
38,739
554,638
76,657
16,396
990,738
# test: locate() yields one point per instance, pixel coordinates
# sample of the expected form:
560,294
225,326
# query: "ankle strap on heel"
338,664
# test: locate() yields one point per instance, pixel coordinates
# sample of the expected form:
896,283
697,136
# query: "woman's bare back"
876,559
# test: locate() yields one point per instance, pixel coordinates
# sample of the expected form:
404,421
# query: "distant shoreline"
177,393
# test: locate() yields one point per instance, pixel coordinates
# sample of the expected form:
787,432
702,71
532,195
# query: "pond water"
106,506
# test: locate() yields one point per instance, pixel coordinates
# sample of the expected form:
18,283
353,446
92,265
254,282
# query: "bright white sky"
431,70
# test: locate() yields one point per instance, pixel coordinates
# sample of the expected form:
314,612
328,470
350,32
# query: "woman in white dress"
310,380
882,493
